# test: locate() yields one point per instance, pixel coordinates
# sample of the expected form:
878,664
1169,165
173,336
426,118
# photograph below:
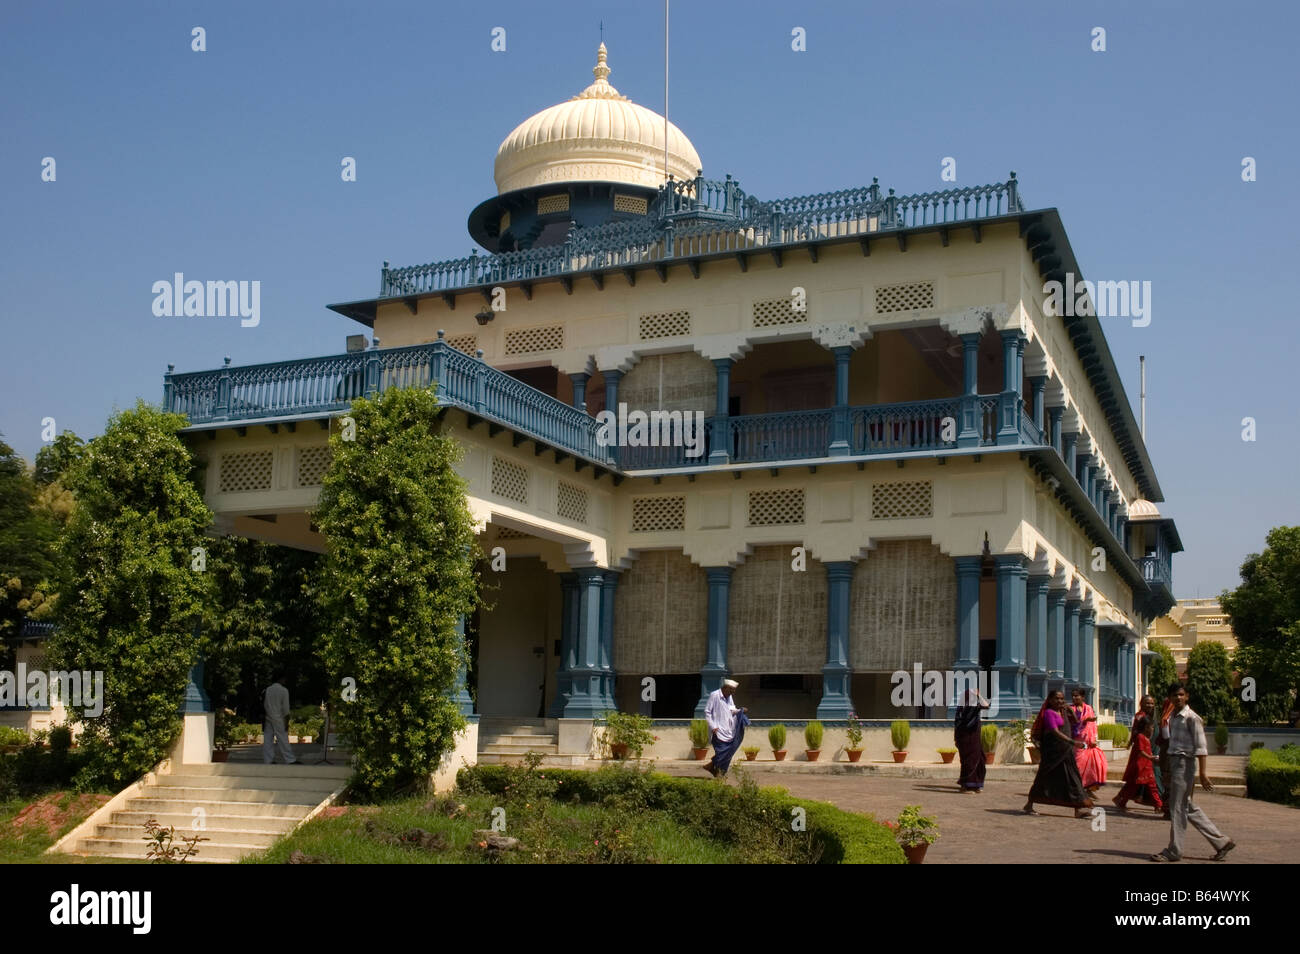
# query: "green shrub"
749,749
900,732
1256,745
1118,734
1272,777
700,734
12,736
947,750
60,738
813,733
989,737
776,737
628,729
1289,754
1221,735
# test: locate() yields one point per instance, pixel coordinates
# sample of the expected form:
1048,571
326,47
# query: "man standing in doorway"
727,724
1185,735
275,721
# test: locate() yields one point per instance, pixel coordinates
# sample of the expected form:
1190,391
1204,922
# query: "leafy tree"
54,460
131,597
1265,612
1161,671
1209,682
27,548
397,575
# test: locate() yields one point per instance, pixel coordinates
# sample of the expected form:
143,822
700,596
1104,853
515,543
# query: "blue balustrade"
1156,570
913,426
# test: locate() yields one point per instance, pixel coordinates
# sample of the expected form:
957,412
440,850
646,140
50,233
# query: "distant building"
1188,623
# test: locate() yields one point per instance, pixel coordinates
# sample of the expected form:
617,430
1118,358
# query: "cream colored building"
906,460
1190,622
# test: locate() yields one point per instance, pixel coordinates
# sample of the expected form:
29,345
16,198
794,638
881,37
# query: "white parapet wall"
465,753
197,738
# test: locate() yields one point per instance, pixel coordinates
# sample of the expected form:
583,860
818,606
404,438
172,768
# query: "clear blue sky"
225,164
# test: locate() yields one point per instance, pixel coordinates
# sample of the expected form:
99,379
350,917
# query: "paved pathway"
990,829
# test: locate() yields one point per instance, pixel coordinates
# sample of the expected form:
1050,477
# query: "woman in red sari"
1090,759
1139,776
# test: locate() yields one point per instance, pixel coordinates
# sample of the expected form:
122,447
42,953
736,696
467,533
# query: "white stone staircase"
508,740
246,807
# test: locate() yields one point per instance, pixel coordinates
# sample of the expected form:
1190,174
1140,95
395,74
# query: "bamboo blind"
903,608
661,615
778,615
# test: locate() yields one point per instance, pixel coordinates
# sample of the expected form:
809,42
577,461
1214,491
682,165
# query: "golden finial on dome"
600,69
601,88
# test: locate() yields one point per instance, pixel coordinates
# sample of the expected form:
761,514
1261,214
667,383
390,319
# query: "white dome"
598,136
1141,509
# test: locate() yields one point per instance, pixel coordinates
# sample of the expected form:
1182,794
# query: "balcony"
1156,571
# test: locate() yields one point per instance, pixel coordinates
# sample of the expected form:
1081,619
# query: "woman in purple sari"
1057,782
966,733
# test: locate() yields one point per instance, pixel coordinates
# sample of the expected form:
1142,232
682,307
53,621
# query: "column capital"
839,569
718,574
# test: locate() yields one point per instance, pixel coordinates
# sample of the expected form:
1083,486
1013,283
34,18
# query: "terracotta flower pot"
779,756
853,754
812,754
915,853
947,757
221,755
900,756
699,754
750,756
618,750
988,758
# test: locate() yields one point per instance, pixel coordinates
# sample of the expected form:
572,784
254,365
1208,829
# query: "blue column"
1009,406
580,389
836,701
1036,635
1055,639
1054,418
585,677
1088,652
1071,645
612,378
1036,385
1070,444
609,585
721,451
568,624
968,569
840,413
460,692
196,695
1012,576
715,664
1128,690
971,430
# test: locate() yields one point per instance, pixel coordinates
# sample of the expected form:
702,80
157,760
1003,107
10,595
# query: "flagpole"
665,91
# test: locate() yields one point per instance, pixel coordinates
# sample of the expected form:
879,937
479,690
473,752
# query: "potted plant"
776,736
751,752
700,737
1016,733
988,741
947,755
813,733
854,749
627,734
1221,737
915,833
899,733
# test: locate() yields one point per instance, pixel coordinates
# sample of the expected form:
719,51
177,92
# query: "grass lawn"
574,829
27,828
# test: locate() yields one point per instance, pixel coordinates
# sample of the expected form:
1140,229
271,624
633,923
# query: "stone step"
533,741
253,782
184,821
504,729
132,848
154,804
554,761
519,750
526,738
203,796
216,836
254,769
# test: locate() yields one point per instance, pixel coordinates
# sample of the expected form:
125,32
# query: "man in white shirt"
1184,735
727,724
275,721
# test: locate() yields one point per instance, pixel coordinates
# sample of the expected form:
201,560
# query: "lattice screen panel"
775,508
683,381
510,533
900,499
553,203
908,297
245,471
465,343
650,514
777,616
903,608
571,503
509,480
532,340
665,324
778,311
630,203
312,464
661,615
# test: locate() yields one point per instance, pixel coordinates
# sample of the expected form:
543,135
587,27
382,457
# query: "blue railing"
704,217
1156,570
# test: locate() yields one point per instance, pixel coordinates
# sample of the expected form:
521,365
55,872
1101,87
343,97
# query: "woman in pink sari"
1090,758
